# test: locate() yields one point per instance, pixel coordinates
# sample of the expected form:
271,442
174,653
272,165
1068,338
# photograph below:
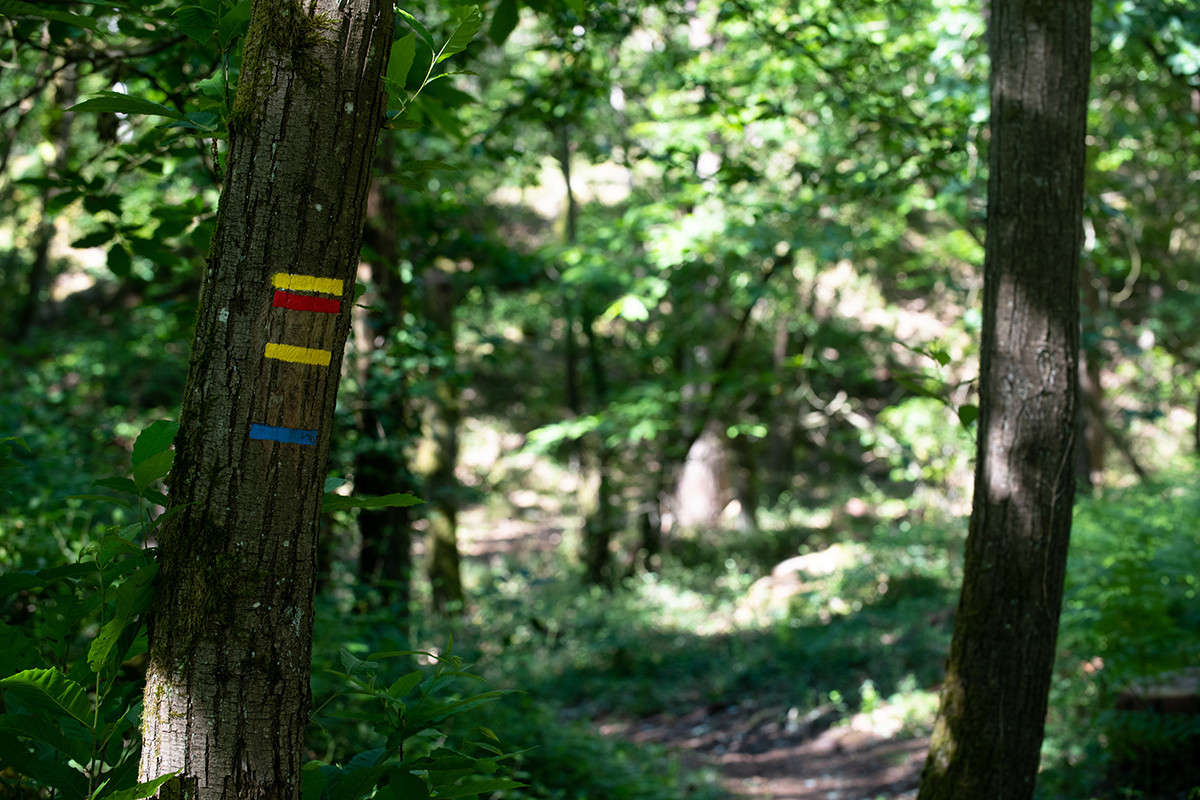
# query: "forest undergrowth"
795,661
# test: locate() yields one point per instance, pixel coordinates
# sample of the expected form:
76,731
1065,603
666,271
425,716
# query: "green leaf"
162,518
401,59
102,646
207,122
117,103
439,713
152,469
213,87
359,777
112,546
96,201
968,414
95,238
405,684
437,112
61,200
40,765
142,790
50,691
17,581
155,439
397,124
117,484
124,773
233,24
68,571
478,787
134,596
16,651
468,26
101,497
504,20
578,6
13,8
136,592
198,24
350,662
119,261
416,25
43,730
336,502
312,781
403,785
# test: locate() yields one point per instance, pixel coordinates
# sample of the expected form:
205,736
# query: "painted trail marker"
305,302
306,283
298,355
278,433
289,295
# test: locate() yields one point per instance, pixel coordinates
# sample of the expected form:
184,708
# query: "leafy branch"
404,51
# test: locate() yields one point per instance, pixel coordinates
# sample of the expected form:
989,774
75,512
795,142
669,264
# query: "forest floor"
759,750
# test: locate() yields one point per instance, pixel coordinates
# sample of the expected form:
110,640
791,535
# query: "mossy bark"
227,696
988,735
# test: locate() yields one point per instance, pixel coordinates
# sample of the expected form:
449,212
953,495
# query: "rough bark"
988,735
227,696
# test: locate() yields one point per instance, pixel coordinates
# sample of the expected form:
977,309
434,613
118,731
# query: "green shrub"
1130,611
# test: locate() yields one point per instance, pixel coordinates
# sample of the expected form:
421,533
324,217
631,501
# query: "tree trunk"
227,696
988,735
438,453
39,269
704,490
382,416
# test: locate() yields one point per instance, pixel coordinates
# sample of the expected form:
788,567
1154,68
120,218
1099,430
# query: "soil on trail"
820,760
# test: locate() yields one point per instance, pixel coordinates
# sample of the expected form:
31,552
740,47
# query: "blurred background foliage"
657,297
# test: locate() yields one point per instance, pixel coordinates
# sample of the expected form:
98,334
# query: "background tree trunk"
438,451
987,739
67,91
383,413
227,696
704,490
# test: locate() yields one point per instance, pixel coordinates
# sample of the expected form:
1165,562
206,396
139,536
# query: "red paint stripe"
303,302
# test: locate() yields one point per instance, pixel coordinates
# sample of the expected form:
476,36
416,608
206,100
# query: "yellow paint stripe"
307,283
299,355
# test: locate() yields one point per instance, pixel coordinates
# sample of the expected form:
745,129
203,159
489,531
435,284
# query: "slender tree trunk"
438,453
383,408
988,735
39,268
227,696
598,506
1196,428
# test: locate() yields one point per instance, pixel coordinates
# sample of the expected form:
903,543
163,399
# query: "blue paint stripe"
275,433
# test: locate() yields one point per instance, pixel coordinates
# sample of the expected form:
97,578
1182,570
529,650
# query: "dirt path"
761,753
758,756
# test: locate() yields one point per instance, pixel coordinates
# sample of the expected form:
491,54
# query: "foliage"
1129,614
776,229
74,635
411,715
